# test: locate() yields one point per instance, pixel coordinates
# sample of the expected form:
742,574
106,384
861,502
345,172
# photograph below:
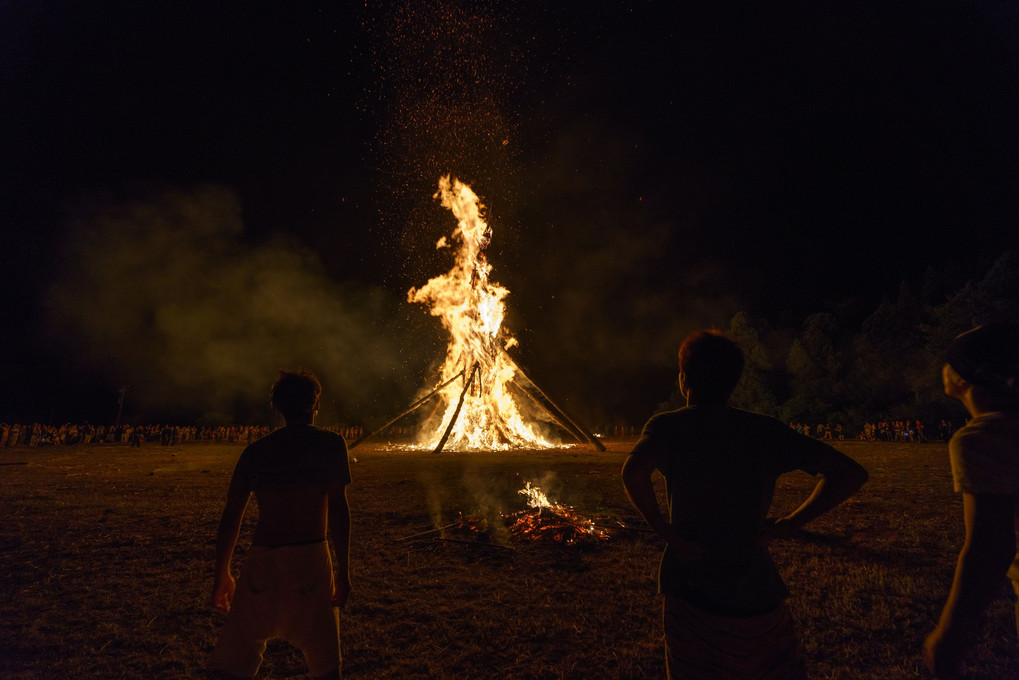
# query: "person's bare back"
298,475
291,516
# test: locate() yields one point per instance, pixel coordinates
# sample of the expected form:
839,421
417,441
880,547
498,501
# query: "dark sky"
192,197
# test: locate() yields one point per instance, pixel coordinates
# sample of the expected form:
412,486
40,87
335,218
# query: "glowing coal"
553,522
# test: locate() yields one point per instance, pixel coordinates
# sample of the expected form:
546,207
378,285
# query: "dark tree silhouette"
888,368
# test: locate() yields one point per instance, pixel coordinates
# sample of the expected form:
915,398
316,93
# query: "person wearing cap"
981,371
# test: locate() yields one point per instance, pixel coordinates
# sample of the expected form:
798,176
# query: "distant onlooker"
944,430
724,607
982,371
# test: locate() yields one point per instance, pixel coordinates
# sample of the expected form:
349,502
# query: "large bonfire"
480,412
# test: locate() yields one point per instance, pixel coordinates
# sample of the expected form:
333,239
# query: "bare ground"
106,562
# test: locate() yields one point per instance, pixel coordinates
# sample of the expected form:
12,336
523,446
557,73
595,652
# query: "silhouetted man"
289,586
724,611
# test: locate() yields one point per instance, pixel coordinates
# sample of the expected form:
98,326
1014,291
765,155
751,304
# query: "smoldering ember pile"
541,522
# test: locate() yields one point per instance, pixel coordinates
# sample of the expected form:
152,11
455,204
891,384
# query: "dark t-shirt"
720,465
290,457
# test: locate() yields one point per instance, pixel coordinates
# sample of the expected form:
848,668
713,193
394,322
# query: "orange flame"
561,523
536,498
471,307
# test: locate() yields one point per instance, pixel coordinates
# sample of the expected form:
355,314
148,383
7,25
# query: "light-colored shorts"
282,593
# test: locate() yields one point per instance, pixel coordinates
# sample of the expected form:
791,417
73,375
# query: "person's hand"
943,657
341,590
223,594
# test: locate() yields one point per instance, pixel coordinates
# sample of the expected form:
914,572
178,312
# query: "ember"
549,521
470,524
544,521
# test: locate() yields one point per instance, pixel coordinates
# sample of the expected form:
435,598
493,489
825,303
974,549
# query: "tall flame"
471,308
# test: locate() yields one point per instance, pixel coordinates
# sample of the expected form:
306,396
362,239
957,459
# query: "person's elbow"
233,511
338,503
856,476
635,470
843,473
990,530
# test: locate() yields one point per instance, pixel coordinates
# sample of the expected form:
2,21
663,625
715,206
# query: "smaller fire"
470,524
550,521
544,521
536,497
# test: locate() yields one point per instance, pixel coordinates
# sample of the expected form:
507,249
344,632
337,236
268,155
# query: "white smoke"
166,296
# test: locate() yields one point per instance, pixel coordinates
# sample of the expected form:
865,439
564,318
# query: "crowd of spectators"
914,431
36,434
42,435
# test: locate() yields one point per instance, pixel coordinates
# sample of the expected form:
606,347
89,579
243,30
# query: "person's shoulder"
754,416
325,442
668,419
324,434
758,421
668,416
264,442
989,430
983,454
997,421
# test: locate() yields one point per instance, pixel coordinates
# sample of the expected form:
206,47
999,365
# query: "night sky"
193,197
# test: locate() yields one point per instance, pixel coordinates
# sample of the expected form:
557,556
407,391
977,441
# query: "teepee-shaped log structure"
521,382
485,412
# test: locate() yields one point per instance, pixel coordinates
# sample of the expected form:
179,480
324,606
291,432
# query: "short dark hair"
295,393
988,357
712,364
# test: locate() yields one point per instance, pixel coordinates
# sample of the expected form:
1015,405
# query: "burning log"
471,524
410,409
459,405
559,415
543,522
548,521
564,527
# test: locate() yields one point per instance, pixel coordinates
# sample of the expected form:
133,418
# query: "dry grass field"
106,562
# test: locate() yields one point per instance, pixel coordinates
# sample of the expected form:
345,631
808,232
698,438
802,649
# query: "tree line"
831,369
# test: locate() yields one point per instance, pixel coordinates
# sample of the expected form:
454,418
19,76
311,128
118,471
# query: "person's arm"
226,539
988,551
840,477
637,471
339,534
641,492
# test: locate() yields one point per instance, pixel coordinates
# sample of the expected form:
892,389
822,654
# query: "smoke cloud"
164,295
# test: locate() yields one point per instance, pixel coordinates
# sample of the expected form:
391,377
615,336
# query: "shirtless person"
289,587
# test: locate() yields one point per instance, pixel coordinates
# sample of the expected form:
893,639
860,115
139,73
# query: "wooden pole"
579,436
410,408
459,404
551,407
